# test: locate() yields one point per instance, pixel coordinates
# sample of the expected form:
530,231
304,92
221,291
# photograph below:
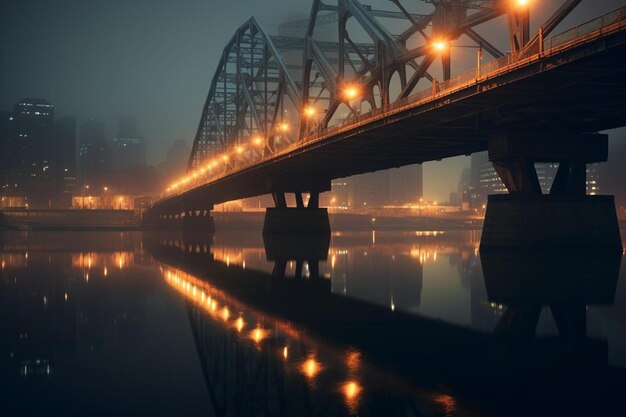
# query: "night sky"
154,60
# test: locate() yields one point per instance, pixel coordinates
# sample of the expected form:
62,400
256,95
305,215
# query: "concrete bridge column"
564,218
179,216
198,220
309,220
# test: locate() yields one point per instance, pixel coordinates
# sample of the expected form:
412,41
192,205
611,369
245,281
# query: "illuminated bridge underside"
586,79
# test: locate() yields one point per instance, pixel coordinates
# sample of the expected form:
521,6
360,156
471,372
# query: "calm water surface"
370,324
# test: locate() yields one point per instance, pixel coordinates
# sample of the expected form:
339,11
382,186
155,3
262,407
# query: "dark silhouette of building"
28,148
65,166
176,158
129,147
7,141
95,154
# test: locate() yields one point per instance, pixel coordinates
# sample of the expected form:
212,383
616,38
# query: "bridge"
288,114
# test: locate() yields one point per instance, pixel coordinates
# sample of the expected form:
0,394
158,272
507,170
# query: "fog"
154,60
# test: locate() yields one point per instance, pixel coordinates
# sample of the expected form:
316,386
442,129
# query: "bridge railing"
589,30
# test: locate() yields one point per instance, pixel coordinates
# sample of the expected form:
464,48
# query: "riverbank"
69,219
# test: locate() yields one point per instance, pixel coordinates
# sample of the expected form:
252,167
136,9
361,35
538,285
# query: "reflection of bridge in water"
243,319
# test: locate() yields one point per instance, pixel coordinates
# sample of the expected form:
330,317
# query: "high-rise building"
94,153
65,166
7,142
31,151
129,147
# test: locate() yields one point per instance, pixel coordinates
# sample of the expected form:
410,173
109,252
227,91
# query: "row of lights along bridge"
350,91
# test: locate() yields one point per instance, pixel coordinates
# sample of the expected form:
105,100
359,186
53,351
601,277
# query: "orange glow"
105,272
350,92
352,391
225,313
448,403
440,45
239,324
309,112
225,158
353,360
239,149
522,3
284,127
258,334
257,140
310,368
285,352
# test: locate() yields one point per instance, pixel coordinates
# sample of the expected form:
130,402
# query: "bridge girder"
254,95
250,90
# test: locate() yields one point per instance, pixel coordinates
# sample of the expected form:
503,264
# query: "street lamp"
309,113
351,91
443,47
440,45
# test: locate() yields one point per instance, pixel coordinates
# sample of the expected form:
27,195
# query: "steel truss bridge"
353,95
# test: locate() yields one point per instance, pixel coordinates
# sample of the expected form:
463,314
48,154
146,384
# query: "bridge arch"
249,95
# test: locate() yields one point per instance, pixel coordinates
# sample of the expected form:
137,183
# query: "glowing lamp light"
522,3
258,335
257,140
351,389
440,45
310,368
283,127
239,149
225,313
309,112
351,92
239,323
225,158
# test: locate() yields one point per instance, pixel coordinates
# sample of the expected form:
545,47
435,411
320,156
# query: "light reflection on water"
361,324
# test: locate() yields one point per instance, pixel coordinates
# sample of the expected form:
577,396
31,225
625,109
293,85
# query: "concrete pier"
291,220
548,221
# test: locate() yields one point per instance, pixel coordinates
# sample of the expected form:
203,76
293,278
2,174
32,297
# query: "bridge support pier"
566,217
176,217
198,220
299,220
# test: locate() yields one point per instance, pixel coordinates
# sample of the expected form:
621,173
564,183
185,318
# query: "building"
65,166
94,154
484,179
29,152
7,141
129,147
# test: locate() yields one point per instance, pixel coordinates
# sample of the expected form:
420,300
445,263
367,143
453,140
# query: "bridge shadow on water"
276,343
